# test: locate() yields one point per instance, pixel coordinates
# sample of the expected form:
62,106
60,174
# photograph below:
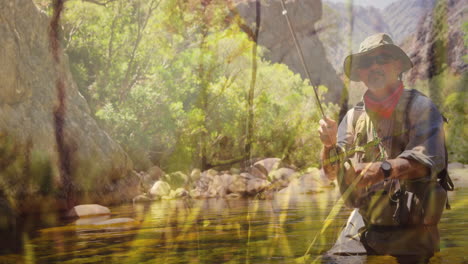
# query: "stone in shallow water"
181,192
115,221
142,198
85,210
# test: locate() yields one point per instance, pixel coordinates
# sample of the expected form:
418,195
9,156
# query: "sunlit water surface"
281,230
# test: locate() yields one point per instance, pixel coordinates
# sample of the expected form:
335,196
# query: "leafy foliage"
169,80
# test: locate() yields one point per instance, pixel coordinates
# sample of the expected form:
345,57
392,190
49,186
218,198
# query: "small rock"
142,198
160,189
180,193
269,164
233,196
85,210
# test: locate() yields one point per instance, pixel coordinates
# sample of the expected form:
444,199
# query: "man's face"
379,71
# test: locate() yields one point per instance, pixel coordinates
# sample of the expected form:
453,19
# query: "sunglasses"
367,61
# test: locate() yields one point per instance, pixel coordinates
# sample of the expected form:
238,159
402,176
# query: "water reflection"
280,230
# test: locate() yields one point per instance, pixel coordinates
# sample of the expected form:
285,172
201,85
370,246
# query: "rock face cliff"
343,29
439,41
403,17
98,169
274,34
401,20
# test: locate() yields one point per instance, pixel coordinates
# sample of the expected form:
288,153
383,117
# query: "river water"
286,229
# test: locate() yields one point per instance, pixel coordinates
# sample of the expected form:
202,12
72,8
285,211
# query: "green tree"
171,81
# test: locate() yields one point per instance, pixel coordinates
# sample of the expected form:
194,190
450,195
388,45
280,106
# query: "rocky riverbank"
262,179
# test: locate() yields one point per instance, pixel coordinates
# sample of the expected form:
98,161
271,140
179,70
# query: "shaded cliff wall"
439,42
100,169
275,36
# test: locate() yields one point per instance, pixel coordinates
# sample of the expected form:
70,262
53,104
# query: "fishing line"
301,57
333,151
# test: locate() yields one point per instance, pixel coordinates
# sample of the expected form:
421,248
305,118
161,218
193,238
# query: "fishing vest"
392,203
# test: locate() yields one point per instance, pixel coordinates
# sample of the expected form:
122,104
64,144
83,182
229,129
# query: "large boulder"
79,161
258,171
275,36
238,184
216,187
160,189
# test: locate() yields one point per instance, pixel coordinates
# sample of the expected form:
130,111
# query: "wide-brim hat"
371,43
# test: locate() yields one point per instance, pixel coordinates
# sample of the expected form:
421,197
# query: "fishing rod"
301,57
336,208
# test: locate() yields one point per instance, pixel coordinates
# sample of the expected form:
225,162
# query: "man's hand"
327,131
372,173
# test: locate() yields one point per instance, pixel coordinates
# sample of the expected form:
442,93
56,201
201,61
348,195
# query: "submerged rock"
92,220
115,221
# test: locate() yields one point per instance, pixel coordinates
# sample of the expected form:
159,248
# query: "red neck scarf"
384,108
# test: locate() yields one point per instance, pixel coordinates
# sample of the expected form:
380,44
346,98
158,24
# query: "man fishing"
387,154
